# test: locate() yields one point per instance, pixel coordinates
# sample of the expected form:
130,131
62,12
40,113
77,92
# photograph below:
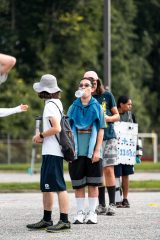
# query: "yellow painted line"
154,205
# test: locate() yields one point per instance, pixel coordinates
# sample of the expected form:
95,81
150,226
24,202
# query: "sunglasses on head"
85,85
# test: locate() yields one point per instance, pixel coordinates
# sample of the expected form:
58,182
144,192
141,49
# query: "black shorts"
123,170
52,179
85,173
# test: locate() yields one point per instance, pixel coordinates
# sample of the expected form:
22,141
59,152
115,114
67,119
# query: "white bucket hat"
48,83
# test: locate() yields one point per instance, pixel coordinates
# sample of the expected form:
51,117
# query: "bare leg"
48,201
63,202
109,176
125,186
92,191
80,193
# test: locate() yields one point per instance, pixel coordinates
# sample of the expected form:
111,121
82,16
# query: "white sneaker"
79,218
111,210
91,218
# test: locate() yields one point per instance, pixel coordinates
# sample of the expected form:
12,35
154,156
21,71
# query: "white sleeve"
9,111
51,110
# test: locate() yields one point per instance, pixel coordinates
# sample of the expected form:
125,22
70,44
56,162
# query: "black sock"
111,194
64,217
101,196
47,215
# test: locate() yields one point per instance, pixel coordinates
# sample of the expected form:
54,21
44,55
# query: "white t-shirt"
50,144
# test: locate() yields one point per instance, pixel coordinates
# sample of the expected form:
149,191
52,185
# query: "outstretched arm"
9,111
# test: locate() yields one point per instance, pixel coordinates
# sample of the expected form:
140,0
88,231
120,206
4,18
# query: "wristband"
41,135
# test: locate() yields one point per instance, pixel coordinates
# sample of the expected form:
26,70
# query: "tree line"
65,38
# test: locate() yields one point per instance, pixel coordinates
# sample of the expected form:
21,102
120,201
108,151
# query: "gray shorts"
109,152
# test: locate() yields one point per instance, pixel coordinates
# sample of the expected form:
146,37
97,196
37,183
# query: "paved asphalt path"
140,222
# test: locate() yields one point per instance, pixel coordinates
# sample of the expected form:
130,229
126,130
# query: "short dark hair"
46,95
122,99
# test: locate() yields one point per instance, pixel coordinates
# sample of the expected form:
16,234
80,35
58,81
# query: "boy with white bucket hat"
52,179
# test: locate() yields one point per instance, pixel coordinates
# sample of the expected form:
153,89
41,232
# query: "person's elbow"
12,61
118,117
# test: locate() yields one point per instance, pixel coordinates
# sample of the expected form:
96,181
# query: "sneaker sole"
102,213
60,230
119,206
125,206
90,222
37,229
78,222
110,214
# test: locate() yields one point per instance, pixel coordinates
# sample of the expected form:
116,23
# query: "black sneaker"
119,204
125,203
40,225
60,226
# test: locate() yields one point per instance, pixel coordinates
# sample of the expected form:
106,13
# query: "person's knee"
92,191
80,192
109,171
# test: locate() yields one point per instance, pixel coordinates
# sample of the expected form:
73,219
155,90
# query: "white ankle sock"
80,204
92,203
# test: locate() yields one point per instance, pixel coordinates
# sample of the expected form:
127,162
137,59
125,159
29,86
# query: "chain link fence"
19,151
24,151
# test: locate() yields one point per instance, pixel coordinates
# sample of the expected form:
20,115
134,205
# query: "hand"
37,139
96,156
24,107
106,118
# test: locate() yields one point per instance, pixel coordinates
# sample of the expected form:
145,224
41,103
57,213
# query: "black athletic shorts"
85,173
123,170
52,179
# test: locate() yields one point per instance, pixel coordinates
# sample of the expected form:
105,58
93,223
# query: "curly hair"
46,95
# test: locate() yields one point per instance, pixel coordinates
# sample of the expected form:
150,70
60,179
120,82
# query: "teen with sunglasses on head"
87,121
107,101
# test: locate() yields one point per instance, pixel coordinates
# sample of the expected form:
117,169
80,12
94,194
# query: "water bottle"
79,93
38,124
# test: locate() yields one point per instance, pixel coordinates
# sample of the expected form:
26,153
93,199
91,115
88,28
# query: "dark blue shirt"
107,102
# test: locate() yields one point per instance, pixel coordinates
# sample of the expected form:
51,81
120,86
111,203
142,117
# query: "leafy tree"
65,38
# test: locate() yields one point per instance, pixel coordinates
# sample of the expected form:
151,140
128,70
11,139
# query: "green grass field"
27,187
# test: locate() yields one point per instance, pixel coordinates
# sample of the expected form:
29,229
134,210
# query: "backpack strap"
51,123
58,108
